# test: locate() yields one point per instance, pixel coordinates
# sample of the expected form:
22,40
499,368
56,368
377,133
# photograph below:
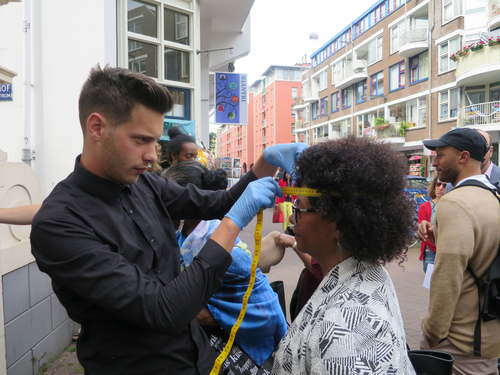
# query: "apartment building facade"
404,71
271,119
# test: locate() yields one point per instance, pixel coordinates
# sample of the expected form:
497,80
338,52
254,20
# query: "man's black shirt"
112,254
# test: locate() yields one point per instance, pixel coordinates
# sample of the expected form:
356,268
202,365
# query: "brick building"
404,71
270,117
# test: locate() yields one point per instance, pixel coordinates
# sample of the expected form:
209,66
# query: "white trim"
451,35
319,71
319,125
341,57
334,121
6,75
409,14
444,87
378,33
453,19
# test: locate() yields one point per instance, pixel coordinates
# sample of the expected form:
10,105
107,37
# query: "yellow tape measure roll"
253,270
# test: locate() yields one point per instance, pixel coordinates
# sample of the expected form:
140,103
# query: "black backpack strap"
479,283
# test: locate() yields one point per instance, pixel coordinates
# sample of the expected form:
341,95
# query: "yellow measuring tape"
307,192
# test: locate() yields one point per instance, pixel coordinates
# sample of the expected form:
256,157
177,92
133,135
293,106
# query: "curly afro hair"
362,183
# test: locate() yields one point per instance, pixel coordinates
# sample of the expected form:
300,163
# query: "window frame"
337,102
451,65
453,4
401,76
159,41
375,75
448,103
348,96
364,98
410,68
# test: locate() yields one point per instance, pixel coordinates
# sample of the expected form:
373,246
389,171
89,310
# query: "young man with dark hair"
468,235
105,235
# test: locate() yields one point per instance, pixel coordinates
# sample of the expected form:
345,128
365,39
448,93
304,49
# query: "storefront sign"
231,98
5,91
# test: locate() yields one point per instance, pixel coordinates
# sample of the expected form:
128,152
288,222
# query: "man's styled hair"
115,91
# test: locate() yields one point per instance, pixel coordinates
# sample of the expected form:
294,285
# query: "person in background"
22,215
467,238
427,211
489,168
180,147
264,324
352,324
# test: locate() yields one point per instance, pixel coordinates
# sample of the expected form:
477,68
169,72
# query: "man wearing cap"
489,168
467,233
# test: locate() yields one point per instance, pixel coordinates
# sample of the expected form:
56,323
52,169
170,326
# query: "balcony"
387,133
493,14
353,72
478,67
479,115
413,41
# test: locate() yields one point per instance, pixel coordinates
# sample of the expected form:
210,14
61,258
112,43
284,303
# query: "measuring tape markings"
253,270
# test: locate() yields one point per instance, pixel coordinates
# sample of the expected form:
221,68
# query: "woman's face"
189,151
312,232
440,189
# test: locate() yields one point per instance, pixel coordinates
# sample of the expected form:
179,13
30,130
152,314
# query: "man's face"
447,164
128,148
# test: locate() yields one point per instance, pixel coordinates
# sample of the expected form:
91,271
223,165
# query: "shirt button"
152,240
130,212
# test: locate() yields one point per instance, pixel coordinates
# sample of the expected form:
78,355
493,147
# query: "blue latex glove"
258,194
284,155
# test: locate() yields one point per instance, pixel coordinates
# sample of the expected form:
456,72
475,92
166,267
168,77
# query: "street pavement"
407,279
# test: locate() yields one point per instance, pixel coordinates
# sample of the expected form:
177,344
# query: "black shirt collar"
95,185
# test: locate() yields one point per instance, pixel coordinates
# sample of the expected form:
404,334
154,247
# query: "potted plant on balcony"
402,128
493,41
381,123
477,46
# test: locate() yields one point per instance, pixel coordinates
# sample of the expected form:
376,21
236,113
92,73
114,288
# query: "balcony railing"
481,114
354,71
414,35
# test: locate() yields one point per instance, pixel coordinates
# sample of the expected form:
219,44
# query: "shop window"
176,26
142,18
181,108
142,57
177,65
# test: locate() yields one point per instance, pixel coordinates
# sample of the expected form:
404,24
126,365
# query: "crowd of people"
152,267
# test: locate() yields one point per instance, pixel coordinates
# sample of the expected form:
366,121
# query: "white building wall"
11,57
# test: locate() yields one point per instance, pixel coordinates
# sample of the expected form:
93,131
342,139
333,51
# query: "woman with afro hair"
352,324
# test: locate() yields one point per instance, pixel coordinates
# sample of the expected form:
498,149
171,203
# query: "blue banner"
231,98
5,91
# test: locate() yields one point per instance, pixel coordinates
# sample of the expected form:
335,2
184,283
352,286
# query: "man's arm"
22,215
77,260
455,245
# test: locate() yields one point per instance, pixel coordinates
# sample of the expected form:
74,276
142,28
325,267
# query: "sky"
280,30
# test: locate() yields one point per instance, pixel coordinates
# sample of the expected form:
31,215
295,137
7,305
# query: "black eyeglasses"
297,210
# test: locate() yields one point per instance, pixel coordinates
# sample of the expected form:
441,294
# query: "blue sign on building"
5,91
231,98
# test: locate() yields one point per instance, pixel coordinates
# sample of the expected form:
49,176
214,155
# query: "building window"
416,111
176,26
294,92
395,34
181,108
361,92
448,104
375,50
160,47
397,76
314,110
446,49
377,84
335,102
142,57
346,95
419,68
322,80
451,9
323,107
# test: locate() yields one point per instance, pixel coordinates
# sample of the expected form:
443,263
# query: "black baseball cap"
463,139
